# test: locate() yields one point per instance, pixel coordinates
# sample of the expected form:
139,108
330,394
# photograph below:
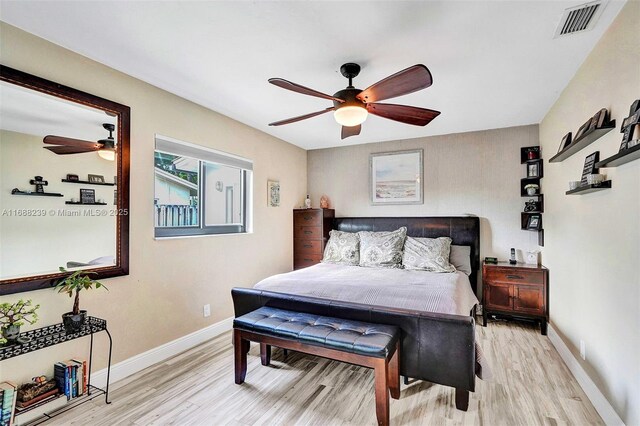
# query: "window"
200,191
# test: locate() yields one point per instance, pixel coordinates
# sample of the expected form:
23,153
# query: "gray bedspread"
448,293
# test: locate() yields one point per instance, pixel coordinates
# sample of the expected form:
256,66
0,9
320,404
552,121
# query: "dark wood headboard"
463,231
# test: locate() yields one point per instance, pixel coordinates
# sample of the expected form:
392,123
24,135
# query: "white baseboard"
139,362
602,406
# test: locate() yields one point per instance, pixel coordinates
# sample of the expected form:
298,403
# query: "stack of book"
8,397
71,377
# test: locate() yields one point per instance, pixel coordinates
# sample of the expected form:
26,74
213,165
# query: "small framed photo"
273,193
87,196
534,222
533,170
589,166
583,129
96,179
72,178
566,141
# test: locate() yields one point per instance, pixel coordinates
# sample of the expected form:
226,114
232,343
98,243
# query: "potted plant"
14,315
531,188
71,285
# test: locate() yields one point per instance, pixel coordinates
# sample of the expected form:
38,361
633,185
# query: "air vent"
579,18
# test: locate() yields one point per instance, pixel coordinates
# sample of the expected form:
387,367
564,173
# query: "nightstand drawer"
514,276
307,218
307,232
307,246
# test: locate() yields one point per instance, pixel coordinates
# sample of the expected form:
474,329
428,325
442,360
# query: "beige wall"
170,281
593,241
474,173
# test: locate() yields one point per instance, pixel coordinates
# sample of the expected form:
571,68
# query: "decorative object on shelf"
532,188
74,283
95,178
307,202
533,170
533,154
273,192
15,315
512,257
534,222
589,166
566,141
529,153
491,260
35,391
630,126
532,206
87,196
324,202
39,183
574,184
396,177
72,177
533,257
586,189
595,179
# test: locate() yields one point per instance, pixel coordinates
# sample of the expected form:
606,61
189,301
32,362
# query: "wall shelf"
86,182
85,204
586,189
584,141
38,194
620,158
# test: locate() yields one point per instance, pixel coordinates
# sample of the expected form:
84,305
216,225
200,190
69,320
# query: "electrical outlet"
583,350
206,311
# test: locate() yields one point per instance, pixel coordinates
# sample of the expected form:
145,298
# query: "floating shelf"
620,158
585,189
86,182
38,194
584,141
85,204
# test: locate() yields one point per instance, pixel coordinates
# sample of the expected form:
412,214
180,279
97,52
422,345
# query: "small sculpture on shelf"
532,189
531,206
324,202
631,127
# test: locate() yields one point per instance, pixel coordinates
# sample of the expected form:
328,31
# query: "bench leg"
462,399
382,391
394,374
240,346
265,354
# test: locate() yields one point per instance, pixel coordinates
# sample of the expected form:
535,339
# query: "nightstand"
517,291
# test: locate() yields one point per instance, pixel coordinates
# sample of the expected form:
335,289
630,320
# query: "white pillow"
460,258
427,254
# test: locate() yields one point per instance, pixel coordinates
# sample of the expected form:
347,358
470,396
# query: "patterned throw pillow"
343,248
427,254
382,249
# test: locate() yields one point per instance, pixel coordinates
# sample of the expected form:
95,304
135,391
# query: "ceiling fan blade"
401,83
61,140
64,150
404,113
301,89
350,131
302,117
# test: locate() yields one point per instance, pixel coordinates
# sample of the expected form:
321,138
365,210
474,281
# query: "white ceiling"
494,64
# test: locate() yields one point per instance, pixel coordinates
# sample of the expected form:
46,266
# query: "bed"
433,310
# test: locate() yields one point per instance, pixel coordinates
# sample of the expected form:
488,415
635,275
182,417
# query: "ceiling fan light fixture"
350,115
108,154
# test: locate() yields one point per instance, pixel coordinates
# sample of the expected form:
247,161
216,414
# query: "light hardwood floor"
530,386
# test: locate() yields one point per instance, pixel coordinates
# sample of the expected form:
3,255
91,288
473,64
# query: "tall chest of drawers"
310,235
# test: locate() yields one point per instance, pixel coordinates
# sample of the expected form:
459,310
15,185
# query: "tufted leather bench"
370,345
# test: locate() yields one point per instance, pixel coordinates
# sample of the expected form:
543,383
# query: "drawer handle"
308,232
308,245
308,217
515,277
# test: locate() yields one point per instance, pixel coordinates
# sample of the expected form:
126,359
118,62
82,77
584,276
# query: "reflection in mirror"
55,223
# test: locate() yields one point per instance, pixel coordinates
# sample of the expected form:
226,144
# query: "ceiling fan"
351,106
106,147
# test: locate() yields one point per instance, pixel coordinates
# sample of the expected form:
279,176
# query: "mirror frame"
123,113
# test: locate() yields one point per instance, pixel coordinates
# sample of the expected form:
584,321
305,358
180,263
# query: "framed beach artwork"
396,177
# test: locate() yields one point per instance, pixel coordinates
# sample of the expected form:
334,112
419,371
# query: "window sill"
180,237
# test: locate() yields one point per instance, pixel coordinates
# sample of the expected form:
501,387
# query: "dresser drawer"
301,260
307,246
307,218
307,232
514,276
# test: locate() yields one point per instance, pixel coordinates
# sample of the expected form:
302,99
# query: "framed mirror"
64,183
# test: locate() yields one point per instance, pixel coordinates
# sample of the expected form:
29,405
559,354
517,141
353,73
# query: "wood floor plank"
531,386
